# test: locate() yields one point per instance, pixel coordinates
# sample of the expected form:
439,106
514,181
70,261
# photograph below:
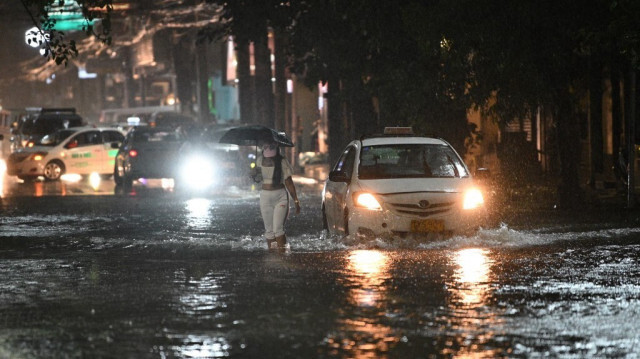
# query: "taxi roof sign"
398,131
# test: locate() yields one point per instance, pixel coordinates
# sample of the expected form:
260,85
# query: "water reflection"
362,333
472,276
368,269
75,184
201,299
469,312
94,181
69,184
38,189
198,213
73,178
198,346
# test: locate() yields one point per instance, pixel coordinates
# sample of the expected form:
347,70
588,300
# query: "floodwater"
159,275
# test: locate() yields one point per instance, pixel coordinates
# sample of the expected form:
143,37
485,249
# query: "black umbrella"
253,134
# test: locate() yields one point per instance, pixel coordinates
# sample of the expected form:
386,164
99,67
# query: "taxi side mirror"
338,176
115,145
483,174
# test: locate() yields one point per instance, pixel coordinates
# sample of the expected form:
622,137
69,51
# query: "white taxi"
76,150
400,184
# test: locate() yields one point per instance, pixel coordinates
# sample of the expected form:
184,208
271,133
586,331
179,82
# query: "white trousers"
274,207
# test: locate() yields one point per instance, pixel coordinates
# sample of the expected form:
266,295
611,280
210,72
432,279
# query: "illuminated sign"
68,17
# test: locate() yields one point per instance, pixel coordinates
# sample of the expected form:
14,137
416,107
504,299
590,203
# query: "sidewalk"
536,203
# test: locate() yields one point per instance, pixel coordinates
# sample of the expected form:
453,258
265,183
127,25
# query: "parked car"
148,152
400,184
6,123
34,126
79,150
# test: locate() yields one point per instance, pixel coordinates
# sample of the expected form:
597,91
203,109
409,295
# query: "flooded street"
156,274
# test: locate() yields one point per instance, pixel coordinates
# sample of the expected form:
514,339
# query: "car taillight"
133,153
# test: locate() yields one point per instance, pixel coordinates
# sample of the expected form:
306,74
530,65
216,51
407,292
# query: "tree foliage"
519,56
425,63
54,44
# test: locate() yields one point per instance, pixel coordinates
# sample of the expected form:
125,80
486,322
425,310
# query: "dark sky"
14,21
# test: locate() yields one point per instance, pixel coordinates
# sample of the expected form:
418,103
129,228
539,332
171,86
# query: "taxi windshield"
55,138
410,161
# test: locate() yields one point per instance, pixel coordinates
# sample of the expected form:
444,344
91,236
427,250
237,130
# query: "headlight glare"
198,172
473,199
367,200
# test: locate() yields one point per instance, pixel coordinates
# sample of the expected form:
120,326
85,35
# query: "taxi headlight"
366,200
473,199
38,156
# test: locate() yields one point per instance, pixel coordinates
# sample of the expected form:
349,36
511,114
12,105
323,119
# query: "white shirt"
267,171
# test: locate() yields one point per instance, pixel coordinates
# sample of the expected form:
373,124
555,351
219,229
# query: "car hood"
35,149
407,185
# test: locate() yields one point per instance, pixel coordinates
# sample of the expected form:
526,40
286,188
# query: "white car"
399,184
77,150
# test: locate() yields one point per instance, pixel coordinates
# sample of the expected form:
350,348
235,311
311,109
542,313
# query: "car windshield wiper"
425,166
455,168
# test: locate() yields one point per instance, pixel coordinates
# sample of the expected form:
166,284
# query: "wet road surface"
156,274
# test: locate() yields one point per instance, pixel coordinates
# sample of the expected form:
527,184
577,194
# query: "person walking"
277,187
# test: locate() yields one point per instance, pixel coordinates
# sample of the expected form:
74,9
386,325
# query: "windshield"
27,126
409,161
46,125
56,138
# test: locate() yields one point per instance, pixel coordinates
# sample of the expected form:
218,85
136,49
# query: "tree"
424,63
52,41
376,73
249,21
529,54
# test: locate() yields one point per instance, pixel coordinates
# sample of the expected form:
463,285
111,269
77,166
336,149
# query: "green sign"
68,17
81,155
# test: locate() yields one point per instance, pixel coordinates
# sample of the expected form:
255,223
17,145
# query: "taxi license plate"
427,225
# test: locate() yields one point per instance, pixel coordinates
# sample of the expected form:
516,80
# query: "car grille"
415,209
14,162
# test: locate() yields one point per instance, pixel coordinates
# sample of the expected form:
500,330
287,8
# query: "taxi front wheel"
53,170
346,222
